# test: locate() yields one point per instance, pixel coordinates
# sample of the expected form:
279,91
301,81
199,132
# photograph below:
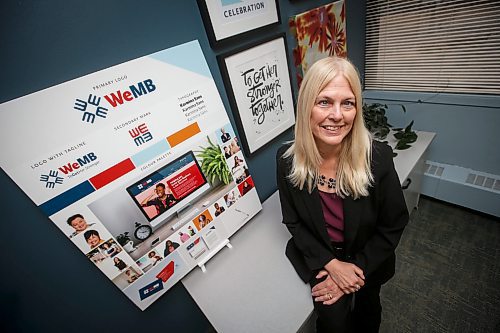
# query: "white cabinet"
410,166
412,185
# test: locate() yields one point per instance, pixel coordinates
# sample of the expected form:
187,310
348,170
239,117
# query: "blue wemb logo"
91,108
51,179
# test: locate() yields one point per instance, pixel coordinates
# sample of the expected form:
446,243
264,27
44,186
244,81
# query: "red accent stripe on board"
111,174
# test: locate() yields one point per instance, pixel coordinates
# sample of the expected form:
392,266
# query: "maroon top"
333,212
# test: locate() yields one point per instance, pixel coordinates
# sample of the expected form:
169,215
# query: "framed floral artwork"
320,32
225,19
257,79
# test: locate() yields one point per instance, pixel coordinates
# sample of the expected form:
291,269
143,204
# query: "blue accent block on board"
150,289
188,56
229,2
150,153
67,198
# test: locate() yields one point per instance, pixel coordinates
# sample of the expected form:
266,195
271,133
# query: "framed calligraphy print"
257,79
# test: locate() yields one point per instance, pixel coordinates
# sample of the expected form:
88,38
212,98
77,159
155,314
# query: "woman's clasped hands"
341,278
327,290
347,276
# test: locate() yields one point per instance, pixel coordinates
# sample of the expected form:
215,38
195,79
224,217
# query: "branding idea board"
123,164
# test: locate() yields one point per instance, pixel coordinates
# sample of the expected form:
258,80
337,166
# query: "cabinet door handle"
405,186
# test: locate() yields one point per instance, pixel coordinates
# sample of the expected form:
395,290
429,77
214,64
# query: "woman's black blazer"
372,225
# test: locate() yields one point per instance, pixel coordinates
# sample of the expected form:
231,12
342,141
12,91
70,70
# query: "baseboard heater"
462,186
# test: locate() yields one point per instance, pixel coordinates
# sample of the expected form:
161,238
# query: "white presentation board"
118,160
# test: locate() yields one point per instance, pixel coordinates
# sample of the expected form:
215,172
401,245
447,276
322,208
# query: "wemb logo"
51,179
140,134
91,107
80,162
135,91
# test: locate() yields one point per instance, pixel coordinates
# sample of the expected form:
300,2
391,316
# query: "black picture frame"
255,135
256,28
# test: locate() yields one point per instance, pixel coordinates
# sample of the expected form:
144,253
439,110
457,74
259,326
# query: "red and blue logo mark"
92,108
140,134
193,244
144,184
150,289
55,177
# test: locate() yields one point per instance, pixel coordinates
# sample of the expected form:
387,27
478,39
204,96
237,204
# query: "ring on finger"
329,296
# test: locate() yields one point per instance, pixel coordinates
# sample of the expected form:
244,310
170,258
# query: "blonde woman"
341,201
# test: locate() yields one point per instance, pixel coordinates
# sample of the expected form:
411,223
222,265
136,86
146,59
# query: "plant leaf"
408,128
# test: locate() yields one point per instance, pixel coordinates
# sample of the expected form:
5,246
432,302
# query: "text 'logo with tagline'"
93,109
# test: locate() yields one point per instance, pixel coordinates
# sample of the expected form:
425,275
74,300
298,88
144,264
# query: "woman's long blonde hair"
354,174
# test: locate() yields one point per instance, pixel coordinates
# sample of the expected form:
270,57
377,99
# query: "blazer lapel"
313,202
352,215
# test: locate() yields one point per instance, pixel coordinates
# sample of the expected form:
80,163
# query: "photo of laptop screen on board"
169,189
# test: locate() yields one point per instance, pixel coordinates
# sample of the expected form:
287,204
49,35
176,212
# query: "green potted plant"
376,122
214,164
405,137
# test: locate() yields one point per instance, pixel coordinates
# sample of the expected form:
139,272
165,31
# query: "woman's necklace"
328,164
330,182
